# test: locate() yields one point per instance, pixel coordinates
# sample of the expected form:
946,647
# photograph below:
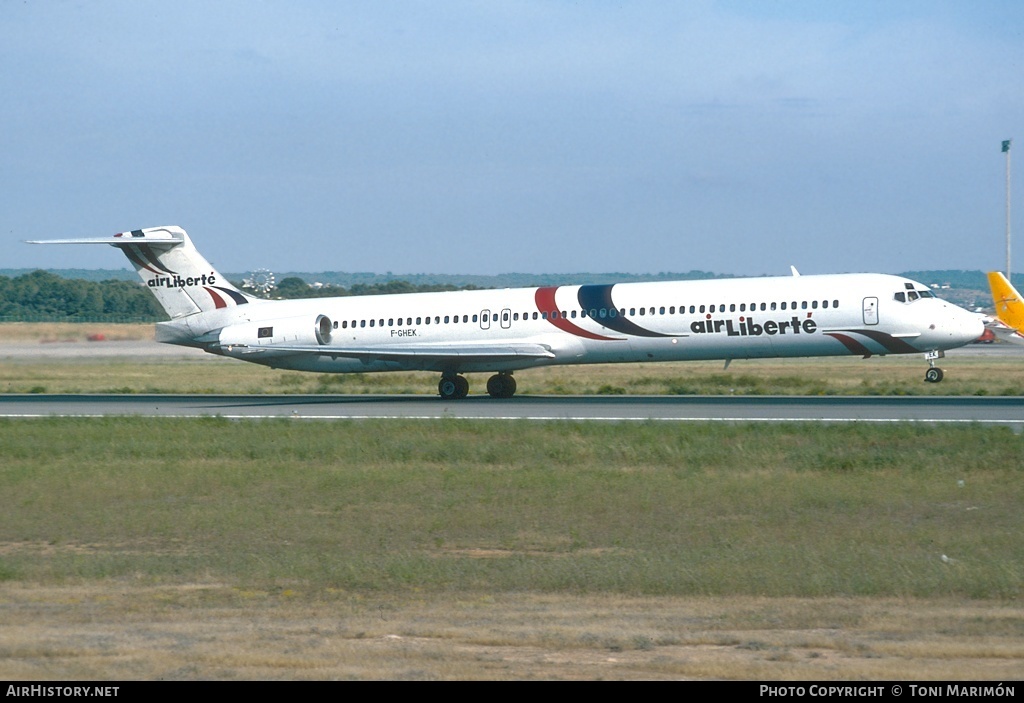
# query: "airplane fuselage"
828,315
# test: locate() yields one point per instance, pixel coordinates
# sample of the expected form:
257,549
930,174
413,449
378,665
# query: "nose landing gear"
934,373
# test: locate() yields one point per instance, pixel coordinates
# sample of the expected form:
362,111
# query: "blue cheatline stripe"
600,297
234,295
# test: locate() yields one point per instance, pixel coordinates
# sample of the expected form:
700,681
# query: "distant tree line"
295,287
40,295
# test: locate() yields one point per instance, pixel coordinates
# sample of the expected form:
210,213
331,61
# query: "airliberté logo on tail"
177,281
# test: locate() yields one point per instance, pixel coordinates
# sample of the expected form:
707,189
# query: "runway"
923,409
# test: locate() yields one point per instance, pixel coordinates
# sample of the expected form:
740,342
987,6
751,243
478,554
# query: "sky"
535,136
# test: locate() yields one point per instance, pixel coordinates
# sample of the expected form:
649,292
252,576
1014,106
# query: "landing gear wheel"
453,387
501,385
933,375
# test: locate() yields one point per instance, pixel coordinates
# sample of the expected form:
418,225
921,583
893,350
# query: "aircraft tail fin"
183,282
1009,304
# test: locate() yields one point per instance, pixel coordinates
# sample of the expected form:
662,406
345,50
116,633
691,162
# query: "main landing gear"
934,373
501,385
456,387
453,387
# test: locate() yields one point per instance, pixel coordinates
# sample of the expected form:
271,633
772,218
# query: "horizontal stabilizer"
156,237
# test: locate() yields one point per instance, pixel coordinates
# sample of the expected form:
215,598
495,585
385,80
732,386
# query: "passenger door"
870,311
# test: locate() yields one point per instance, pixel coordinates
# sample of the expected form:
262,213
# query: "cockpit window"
910,295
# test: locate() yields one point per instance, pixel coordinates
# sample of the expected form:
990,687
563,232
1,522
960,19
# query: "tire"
453,387
448,389
501,386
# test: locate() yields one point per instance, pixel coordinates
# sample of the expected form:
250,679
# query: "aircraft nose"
967,326
975,327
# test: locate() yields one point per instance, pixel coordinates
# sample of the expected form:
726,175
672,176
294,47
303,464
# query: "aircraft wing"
416,352
1003,332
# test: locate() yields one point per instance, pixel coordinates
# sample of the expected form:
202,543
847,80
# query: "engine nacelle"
268,333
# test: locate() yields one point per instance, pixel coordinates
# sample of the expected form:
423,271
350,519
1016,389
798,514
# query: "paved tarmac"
938,410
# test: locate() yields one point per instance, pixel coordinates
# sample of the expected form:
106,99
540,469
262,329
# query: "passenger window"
783,304
773,306
661,310
814,304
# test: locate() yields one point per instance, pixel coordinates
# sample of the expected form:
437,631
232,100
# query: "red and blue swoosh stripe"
596,297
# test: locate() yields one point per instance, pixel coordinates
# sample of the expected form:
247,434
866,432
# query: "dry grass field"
211,631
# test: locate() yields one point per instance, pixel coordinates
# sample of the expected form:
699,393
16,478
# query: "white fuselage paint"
833,315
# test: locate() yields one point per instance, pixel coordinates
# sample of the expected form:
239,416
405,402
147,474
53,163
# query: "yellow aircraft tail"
1009,304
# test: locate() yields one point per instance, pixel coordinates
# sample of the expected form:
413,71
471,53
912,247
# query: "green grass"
648,509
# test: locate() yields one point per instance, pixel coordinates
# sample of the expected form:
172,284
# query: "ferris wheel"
261,281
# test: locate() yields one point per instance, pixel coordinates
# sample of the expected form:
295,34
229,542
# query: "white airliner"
503,331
